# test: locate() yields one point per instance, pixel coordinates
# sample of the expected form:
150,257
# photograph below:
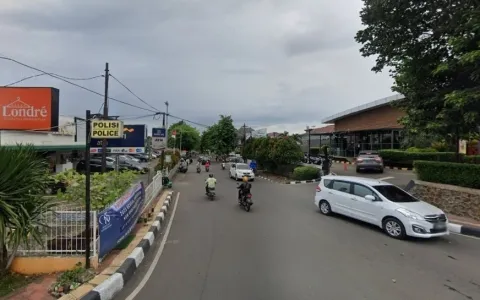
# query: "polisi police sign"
107,129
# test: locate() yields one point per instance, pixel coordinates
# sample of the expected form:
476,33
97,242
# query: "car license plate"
440,226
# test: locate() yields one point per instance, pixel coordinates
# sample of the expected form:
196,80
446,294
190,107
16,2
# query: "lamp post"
309,130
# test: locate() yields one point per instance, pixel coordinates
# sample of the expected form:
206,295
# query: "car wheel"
253,179
358,170
324,207
381,170
394,228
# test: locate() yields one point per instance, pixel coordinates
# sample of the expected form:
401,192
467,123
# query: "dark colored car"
369,160
141,157
95,166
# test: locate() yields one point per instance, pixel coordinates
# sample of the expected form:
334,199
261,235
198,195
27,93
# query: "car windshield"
243,167
394,194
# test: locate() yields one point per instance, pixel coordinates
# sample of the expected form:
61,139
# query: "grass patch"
11,282
124,244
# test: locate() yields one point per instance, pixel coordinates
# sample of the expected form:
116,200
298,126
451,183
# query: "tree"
189,135
24,180
219,138
432,49
274,153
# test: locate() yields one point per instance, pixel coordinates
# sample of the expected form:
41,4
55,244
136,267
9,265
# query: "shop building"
372,126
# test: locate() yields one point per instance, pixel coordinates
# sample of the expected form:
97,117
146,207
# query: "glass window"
243,167
341,186
327,182
362,191
394,194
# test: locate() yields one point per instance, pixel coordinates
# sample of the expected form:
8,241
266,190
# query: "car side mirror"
370,198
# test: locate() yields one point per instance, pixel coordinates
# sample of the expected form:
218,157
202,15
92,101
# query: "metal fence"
64,233
65,230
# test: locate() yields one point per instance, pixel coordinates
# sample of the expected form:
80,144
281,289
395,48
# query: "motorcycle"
207,169
199,170
223,166
211,193
183,169
246,202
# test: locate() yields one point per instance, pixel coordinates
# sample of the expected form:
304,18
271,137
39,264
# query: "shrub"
466,175
407,158
306,173
472,159
415,149
175,155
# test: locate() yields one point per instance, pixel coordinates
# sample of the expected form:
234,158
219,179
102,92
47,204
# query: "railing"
64,234
65,231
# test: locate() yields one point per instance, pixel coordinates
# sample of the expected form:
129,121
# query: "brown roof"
324,130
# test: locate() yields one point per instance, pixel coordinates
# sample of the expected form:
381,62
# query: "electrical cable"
74,84
195,123
42,74
131,92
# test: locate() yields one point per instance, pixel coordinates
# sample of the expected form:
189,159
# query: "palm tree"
23,182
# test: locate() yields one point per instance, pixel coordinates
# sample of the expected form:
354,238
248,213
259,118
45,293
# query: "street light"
309,129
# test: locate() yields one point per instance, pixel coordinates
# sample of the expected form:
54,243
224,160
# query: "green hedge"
305,173
466,175
398,156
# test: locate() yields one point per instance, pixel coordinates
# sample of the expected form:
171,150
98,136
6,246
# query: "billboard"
159,138
133,141
29,108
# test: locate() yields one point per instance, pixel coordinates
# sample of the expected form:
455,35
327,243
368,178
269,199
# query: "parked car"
132,164
369,161
240,170
141,157
380,203
95,166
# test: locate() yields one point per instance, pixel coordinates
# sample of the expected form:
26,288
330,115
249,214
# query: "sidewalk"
464,225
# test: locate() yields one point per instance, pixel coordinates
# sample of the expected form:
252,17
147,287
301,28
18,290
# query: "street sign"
133,141
159,138
107,129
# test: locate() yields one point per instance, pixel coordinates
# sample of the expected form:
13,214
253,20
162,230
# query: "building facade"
372,126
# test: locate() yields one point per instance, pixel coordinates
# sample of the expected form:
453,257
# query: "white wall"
64,137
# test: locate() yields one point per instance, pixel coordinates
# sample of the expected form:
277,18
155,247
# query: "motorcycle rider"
244,188
210,183
199,168
207,164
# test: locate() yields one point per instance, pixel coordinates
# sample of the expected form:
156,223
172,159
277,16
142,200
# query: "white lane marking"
157,256
386,178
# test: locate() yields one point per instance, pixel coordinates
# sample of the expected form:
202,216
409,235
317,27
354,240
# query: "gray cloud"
265,62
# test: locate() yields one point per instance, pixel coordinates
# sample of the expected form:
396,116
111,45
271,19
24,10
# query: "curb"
303,181
115,283
265,178
464,229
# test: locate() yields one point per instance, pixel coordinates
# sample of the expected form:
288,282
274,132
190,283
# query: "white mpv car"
380,203
240,170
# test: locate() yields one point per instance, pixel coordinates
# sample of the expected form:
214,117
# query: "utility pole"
88,118
105,117
162,158
244,141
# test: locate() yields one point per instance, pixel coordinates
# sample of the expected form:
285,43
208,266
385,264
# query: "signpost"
103,129
159,138
107,129
132,141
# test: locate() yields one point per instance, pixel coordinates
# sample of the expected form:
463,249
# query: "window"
394,194
341,186
327,182
243,167
362,191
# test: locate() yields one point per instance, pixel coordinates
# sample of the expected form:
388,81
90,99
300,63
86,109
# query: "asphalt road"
285,249
397,177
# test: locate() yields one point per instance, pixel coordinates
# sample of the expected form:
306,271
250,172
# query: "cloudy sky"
281,64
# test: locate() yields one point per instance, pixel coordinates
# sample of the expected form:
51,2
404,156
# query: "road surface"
285,249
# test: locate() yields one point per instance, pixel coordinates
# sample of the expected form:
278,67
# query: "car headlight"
409,214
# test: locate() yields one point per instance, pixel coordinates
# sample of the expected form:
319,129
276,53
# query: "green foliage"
434,58
465,175
105,187
406,158
273,153
306,173
23,182
189,135
415,149
219,138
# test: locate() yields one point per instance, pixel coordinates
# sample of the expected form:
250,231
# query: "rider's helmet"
210,175
245,179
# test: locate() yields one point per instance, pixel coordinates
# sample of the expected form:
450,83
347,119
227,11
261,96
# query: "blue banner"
159,132
117,221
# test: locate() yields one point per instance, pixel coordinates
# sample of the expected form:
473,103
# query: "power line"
74,84
183,119
42,74
131,92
